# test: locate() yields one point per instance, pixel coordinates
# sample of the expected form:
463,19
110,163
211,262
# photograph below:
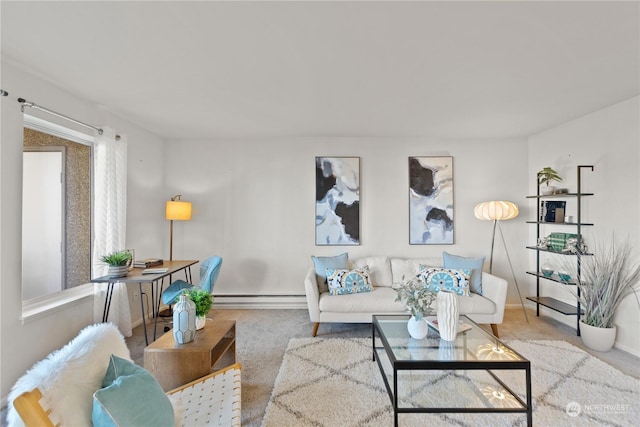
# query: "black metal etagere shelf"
549,302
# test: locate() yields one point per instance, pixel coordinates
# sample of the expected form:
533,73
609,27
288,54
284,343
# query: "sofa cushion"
68,377
379,269
379,301
406,268
437,279
321,263
473,264
343,282
130,396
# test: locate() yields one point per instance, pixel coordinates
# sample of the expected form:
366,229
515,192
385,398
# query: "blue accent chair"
209,272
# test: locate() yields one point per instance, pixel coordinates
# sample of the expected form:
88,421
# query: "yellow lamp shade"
178,211
496,210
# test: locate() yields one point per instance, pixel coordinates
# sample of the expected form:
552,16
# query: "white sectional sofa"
385,272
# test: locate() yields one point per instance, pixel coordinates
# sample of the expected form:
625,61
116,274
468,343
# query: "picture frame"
431,220
337,201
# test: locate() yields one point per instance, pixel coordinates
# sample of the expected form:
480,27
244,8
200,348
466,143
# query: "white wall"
609,140
254,204
24,344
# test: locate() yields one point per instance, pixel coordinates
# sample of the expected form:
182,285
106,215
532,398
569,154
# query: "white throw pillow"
406,268
68,377
379,269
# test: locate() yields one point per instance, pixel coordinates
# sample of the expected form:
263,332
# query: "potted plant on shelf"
118,263
545,176
606,278
418,299
203,301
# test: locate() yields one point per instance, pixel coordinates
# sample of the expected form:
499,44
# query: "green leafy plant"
117,259
606,278
547,175
416,296
202,299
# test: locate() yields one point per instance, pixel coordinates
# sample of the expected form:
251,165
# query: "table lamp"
176,210
496,211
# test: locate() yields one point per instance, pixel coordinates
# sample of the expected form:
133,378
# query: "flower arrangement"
416,296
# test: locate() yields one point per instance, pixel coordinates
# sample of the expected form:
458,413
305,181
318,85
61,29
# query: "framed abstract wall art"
337,200
431,200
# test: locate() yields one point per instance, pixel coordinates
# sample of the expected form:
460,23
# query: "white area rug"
334,382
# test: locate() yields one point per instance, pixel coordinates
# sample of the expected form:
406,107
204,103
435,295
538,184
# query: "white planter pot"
418,329
598,339
447,315
547,190
200,322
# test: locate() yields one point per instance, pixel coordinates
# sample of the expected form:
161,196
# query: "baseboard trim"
260,302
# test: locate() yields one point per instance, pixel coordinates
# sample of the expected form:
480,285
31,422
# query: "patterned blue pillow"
342,282
436,279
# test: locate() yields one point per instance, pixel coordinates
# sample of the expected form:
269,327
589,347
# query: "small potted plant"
203,301
545,176
118,263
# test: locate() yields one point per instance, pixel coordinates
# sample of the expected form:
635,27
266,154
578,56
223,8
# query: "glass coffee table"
476,373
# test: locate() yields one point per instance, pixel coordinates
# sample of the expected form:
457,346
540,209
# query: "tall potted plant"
203,301
118,263
606,278
545,176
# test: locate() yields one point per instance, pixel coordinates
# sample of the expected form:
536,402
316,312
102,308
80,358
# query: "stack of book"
146,263
552,210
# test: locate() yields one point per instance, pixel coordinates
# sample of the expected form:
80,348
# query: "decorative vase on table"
200,322
417,327
184,320
598,339
447,315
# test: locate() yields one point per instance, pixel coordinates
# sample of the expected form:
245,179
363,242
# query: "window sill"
40,307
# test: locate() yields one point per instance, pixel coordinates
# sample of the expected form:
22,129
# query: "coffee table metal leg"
529,407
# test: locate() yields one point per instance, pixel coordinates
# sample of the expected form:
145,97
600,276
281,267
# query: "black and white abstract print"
430,200
337,200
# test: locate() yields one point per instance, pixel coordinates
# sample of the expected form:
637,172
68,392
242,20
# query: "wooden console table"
173,364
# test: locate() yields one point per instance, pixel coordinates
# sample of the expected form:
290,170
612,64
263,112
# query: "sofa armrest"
313,295
495,289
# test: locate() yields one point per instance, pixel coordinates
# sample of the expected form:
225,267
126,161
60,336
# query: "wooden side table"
173,364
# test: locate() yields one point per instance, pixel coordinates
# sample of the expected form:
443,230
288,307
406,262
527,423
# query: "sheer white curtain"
110,217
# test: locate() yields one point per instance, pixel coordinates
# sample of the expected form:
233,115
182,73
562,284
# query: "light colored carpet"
333,381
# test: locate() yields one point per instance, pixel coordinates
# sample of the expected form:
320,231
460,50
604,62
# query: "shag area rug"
334,382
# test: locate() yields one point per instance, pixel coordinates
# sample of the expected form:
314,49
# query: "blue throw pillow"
130,396
343,282
437,279
321,263
473,264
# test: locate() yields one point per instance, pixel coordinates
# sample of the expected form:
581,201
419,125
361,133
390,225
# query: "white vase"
184,320
200,322
417,328
598,339
447,315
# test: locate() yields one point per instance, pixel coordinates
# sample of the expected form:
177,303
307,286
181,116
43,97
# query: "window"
57,209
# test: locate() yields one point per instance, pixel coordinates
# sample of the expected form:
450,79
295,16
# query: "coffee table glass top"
473,345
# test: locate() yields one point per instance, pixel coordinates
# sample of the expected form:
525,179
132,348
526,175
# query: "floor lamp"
497,211
176,210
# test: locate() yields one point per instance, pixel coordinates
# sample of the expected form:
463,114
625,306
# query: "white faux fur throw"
68,377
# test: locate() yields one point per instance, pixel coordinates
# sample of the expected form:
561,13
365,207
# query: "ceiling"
214,70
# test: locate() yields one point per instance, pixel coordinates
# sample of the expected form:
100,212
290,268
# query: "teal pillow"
321,263
130,396
473,264
343,282
437,279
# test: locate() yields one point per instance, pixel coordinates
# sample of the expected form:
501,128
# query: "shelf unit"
549,302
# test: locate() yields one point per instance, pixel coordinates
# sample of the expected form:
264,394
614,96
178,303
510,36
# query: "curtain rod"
29,104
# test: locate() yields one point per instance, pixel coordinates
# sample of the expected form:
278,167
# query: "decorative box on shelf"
558,241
